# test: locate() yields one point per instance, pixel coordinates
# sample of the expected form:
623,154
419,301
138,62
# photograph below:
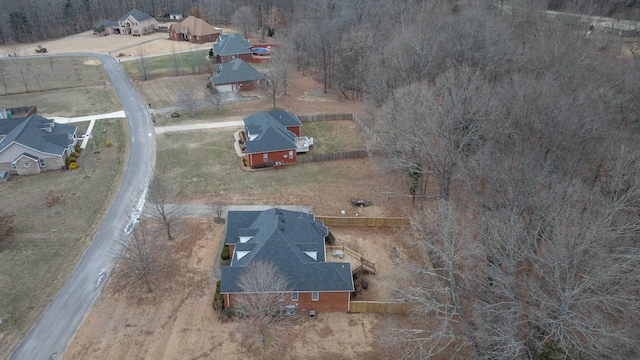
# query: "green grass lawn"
204,162
49,241
187,63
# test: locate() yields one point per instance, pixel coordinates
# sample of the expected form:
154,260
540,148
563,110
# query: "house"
174,16
137,23
232,46
271,138
108,27
294,242
236,75
194,30
32,144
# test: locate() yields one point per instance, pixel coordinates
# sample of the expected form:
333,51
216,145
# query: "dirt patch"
176,320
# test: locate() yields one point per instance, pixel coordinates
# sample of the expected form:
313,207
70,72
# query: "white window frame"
27,165
42,163
265,157
294,296
315,295
291,154
14,166
280,297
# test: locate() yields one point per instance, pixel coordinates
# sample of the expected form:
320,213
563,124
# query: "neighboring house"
137,23
34,144
236,75
110,27
194,30
293,242
232,46
271,138
175,16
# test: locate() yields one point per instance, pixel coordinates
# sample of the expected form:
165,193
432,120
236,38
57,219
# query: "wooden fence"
362,221
356,154
380,307
325,117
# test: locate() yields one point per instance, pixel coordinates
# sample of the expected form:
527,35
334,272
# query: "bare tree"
257,306
215,97
244,20
22,66
142,62
3,78
218,204
159,209
174,60
139,257
432,131
189,100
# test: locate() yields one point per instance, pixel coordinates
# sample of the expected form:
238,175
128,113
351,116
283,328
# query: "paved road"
49,337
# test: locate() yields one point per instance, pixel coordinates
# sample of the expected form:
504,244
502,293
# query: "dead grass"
49,241
51,74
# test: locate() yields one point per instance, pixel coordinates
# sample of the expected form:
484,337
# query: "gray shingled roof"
137,14
231,44
281,238
108,23
272,135
36,132
235,71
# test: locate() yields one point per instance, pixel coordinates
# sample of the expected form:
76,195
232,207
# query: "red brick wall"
295,129
231,248
327,301
257,159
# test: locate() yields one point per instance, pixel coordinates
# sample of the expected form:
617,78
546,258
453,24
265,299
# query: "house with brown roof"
194,30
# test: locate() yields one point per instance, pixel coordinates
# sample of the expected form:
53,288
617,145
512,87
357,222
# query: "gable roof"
290,240
231,44
108,23
267,133
235,71
38,133
136,14
195,26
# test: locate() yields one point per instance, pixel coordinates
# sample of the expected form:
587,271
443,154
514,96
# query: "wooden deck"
344,254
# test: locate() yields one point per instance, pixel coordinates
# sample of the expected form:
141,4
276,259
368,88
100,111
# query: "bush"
225,253
218,302
330,238
218,287
77,148
73,166
108,144
75,154
244,161
70,160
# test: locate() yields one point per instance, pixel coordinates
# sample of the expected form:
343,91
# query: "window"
42,163
14,166
291,154
281,297
315,296
294,296
265,157
27,165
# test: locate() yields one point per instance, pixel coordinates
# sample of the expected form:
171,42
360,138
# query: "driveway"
56,326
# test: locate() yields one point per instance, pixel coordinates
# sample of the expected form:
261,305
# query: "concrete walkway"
92,119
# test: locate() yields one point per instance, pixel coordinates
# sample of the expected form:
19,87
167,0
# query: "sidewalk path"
66,120
231,122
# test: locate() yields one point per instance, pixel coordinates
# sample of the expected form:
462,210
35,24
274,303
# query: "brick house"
271,138
294,242
137,23
32,144
194,30
236,75
232,46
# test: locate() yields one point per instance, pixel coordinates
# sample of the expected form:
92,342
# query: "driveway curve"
58,323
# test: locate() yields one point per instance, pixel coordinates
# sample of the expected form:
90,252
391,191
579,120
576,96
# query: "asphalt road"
49,337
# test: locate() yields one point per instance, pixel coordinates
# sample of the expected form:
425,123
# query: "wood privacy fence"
329,117
380,307
356,154
362,221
